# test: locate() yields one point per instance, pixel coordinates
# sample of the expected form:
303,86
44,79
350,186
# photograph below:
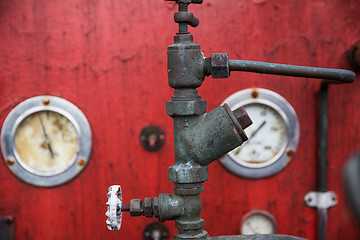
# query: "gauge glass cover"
258,222
272,138
267,137
39,132
46,141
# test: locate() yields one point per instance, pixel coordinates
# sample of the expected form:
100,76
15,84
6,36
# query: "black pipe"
335,75
321,221
323,161
323,129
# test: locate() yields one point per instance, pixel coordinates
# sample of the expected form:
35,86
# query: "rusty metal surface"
110,66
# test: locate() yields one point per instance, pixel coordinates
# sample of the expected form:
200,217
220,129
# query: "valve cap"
242,117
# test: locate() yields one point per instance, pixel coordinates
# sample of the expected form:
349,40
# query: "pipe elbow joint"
219,132
183,208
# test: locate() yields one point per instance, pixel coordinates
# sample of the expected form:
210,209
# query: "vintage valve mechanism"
199,137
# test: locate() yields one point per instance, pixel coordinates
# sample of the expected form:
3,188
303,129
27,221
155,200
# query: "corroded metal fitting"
242,117
188,173
135,207
183,38
185,102
185,108
214,135
148,207
185,63
188,188
139,208
186,17
220,65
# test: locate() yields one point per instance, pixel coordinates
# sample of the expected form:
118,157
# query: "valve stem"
183,26
125,208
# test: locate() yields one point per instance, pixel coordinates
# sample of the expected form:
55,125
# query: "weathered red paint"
109,58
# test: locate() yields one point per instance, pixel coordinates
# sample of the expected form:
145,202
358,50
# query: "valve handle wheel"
114,205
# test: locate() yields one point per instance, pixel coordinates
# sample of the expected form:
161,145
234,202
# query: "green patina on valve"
199,138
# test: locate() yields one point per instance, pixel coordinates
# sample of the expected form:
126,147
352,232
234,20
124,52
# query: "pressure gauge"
258,222
273,136
46,141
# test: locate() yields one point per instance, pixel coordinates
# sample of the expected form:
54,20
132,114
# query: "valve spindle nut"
242,117
135,207
147,206
220,65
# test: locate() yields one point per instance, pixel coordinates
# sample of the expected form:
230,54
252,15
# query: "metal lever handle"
337,75
186,17
220,67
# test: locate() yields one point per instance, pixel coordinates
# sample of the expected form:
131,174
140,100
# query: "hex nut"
147,205
185,108
188,174
220,65
135,207
178,38
190,225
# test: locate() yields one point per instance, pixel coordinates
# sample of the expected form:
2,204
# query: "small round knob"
114,205
353,56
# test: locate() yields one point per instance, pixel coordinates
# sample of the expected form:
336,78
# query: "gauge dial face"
46,142
258,223
267,137
272,138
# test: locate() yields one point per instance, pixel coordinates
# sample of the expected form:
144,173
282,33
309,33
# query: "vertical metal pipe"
321,220
322,170
323,127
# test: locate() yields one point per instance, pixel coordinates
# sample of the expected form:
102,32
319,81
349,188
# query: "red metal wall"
109,58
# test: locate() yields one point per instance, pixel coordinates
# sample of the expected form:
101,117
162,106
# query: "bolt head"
181,38
81,162
10,161
242,117
46,101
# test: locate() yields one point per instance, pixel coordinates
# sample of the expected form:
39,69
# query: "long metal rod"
336,75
